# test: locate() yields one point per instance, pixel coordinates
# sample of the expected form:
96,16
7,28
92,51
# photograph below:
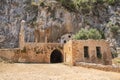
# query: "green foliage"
84,34
84,4
114,55
77,5
110,1
94,34
114,29
102,34
68,4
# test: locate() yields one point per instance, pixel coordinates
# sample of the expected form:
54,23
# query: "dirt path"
52,72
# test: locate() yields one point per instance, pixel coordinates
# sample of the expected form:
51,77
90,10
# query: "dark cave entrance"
56,57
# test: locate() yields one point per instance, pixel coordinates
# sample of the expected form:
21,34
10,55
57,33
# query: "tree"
84,34
94,34
84,4
114,29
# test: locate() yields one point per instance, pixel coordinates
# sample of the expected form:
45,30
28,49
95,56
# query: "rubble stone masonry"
32,52
74,52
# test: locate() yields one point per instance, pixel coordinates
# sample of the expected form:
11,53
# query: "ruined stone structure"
91,51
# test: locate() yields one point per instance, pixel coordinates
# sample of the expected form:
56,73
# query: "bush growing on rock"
114,29
94,34
84,4
84,34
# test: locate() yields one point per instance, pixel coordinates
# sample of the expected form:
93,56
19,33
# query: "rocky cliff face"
11,14
51,21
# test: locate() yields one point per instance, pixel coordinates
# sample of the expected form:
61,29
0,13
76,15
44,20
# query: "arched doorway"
56,57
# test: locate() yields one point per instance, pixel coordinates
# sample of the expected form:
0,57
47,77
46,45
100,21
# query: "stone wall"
7,54
68,53
32,52
77,50
72,52
99,66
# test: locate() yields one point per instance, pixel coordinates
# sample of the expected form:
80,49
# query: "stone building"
73,51
90,51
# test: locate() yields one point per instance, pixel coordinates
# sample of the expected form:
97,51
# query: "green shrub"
68,4
114,29
84,34
114,55
110,1
94,34
84,4
80,4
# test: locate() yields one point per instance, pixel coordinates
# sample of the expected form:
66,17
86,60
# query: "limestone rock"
51,21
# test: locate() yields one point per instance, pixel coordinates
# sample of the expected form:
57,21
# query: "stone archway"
56,57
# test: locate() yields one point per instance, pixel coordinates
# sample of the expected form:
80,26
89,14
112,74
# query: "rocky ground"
20,71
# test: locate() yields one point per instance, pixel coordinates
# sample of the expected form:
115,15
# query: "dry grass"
116,61
20,71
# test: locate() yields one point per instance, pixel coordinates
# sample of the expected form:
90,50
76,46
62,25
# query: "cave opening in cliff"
56,57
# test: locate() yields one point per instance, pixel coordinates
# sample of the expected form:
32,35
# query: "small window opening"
86,52
69,36
98,51
64,41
